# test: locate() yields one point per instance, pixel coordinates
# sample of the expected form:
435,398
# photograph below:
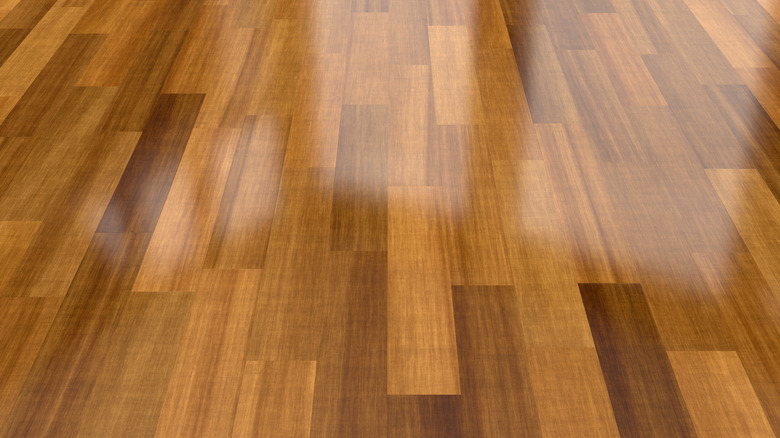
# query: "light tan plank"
455,86
276,400
571,396
422,355
756,214
719,395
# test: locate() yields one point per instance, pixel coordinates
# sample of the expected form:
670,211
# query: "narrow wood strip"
761,82
11,38
493,363
350,395
370,5
178,247
639,378
756,214
359,212
204,387
570,393
27,61
421,348
53,257
368,74
24,323
24,14
141,192
718,394
455,87
243,224
276,399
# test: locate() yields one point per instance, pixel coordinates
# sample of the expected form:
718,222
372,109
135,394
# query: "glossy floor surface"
389,218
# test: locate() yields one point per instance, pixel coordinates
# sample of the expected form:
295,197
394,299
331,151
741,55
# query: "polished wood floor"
389,218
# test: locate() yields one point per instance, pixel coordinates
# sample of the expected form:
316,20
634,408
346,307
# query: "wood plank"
178,247
474,230
409,32
291,310
455,87
493,362
314,133
53,257
543,270
350,394
571,396
140,195
201,396
546,89
421,348
370,5
139,360
645,397
72,357
56,153
24,14
413,161
728,34
564,23
761,82
434,416
632,82
756,214
719,394
15,238
243,224
26,62
600,109
24,323
47,94
359,212
127,25
700,121
276,399
368,61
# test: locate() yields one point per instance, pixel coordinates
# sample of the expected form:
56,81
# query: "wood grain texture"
275,399
389,218
422,356
718,394
205,381
634,362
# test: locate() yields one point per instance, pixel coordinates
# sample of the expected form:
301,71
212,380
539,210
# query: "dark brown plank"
350,394
359,215
645,397
493,364
9,41
426,416
141,193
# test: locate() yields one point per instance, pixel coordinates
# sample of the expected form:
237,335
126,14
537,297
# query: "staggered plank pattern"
389,218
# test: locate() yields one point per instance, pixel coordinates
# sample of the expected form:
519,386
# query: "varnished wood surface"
389,218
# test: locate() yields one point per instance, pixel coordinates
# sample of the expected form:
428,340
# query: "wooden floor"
389,218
